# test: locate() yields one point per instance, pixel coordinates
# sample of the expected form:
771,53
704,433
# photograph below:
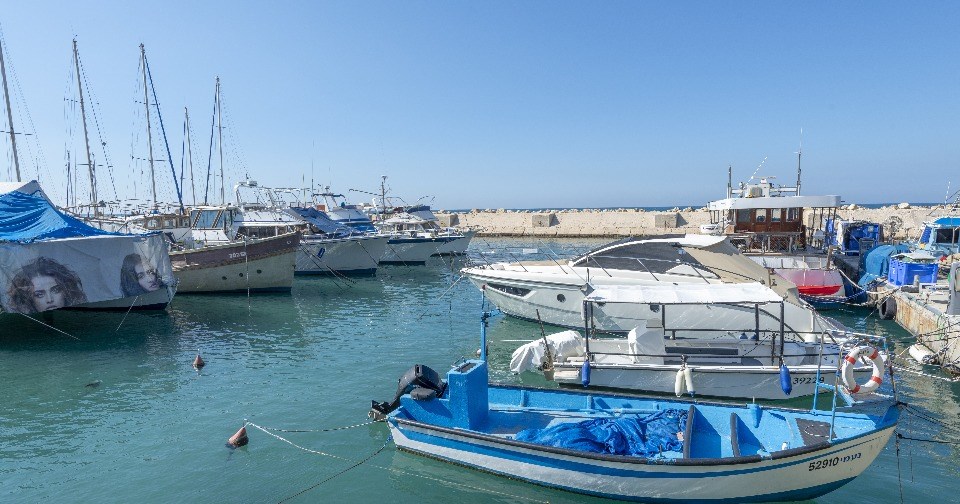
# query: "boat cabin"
762,217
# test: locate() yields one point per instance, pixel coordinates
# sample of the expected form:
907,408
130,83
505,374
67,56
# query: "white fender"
678,384
873,355
688,380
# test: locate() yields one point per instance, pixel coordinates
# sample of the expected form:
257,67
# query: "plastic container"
902,273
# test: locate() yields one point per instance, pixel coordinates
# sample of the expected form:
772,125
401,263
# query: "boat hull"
457,246
804,475
156,300
411,251
340,256
748,382
265,265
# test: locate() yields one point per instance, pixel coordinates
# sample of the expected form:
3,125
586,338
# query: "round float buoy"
888,309
239,439
198,362
873,355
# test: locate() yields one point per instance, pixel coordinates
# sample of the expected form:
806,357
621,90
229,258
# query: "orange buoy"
239,439
198,362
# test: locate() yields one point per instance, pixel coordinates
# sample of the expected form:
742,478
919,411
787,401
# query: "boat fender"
755,414
785,383
585,372
688,380
922,354
888,309
239,439
873,355
679,385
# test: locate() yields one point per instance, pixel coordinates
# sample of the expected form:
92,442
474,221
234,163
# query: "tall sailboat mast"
146,104
6,97
86,137
186,127
223,198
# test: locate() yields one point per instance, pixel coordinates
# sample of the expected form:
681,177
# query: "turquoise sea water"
119,414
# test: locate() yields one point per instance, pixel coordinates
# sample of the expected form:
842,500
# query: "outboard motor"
421,382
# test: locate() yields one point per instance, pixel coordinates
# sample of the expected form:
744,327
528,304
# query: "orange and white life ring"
871,354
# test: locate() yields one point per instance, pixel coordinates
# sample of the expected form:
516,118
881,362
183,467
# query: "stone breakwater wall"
900,221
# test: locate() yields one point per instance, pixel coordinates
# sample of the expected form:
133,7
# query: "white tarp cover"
51,274
685,294
529,357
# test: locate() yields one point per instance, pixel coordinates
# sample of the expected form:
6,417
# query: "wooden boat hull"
264,265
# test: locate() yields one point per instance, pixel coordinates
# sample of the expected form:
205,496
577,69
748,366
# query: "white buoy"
678,385
688,380
922,354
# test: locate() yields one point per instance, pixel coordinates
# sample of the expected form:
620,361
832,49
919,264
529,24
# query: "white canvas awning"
831,201
752,293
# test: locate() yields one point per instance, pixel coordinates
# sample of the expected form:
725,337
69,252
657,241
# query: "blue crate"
903,272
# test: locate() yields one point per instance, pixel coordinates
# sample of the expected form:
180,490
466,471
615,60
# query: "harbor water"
107,408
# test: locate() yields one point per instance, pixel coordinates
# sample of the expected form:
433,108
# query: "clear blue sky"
513,104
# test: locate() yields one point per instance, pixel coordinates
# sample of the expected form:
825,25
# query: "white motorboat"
553,291
744,362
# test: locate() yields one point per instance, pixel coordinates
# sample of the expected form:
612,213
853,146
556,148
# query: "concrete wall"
905,222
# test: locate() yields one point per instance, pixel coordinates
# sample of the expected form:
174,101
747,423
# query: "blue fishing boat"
633,447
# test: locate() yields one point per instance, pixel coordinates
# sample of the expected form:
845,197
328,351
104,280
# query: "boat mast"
223,198
383,197
86,137
186,126
146,104
6,97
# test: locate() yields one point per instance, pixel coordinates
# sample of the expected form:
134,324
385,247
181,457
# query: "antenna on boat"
799,154
729,181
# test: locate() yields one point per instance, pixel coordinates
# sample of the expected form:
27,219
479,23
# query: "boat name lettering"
805,380
235,255
831,462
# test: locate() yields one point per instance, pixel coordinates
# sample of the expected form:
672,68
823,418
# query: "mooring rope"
354,466
128,312
51,327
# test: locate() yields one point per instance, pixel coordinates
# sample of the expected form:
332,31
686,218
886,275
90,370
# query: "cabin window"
507,289
946,235
776,215
167,223
760,215
743,216
207,219
152,224
793,214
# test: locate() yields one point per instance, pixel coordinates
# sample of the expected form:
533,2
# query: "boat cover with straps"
644,436
321,221
51,260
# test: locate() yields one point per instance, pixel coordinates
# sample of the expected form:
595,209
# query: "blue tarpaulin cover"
634,435
877,263
31,217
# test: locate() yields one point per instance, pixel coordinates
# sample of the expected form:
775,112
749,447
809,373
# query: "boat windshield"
639,255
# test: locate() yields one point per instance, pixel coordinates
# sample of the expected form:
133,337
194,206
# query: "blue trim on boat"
353,272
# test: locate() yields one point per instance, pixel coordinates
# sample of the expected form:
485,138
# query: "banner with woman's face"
47,275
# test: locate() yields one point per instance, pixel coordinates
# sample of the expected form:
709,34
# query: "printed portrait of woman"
138,276
44,285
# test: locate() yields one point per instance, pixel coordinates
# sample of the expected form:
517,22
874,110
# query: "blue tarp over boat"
646,436
26,215
877,262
